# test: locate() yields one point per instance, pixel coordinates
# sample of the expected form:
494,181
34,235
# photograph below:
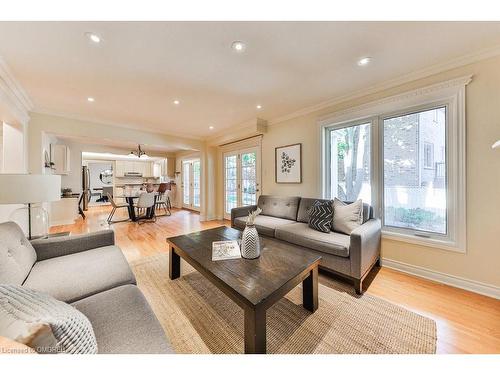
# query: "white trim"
410,98
452,94
444,278
406,78
13,95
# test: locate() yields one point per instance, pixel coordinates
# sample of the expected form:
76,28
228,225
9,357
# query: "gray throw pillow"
320,216
347,217
44,323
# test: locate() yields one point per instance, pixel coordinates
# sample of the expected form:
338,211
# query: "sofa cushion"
17,256
347,217
43,323
320,216
282,207
265,225
304,207
300,234
72,277
123,322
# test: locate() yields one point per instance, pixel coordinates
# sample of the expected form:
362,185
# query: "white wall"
95,169
12,159
13,149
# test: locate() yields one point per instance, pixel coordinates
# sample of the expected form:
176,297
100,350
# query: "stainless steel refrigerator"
85,187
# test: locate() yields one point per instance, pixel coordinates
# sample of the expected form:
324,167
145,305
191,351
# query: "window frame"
449,94
329,129
445,238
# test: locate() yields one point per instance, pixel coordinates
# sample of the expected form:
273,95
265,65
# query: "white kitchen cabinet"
168,167
120,168
157,169
60,156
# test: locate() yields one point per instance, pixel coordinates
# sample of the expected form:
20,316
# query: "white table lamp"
31,190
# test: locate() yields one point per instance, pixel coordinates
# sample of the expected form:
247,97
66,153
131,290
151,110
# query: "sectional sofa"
90,272
286,218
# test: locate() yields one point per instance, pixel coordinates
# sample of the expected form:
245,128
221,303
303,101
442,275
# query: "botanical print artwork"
288,165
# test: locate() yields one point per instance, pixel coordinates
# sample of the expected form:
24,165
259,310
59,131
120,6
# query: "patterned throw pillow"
44,323
320,216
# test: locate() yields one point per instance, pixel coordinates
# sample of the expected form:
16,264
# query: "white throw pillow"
347,217
44,323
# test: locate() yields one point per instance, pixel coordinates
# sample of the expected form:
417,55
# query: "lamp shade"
29,188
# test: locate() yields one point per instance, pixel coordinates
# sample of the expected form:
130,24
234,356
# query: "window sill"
427,242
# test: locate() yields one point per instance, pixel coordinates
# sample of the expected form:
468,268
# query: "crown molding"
246,129
440,86
13,95
413,76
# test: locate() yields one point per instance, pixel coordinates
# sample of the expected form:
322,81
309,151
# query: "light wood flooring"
466,322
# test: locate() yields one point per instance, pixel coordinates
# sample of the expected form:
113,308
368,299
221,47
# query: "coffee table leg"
310,291
174,265
255,331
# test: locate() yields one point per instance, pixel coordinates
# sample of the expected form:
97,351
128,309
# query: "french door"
241,179
191,184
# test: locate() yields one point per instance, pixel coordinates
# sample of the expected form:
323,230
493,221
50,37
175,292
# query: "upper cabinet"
123,167
60,156
120,168
168,167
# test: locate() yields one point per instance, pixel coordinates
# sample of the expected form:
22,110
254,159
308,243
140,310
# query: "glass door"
241,179
196,184
230,182
186,184
191,187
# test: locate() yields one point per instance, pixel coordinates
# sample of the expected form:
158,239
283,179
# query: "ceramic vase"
250,243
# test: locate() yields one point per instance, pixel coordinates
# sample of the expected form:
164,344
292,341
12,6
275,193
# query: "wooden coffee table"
255,285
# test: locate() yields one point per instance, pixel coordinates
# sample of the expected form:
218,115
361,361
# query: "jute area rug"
198,318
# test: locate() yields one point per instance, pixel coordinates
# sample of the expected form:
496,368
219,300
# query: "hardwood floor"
466,322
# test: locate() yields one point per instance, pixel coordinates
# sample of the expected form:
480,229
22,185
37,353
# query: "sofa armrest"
58,246
241,211
365,247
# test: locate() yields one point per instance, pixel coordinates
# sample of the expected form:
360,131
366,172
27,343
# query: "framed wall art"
288,164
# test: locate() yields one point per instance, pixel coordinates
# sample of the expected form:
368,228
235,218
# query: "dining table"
130,199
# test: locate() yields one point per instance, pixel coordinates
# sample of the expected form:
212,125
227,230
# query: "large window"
415,182
405,157
349,163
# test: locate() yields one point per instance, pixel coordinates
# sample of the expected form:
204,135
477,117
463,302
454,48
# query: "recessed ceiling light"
90,99
176,102
364,61
93,37
211,127
238,46
258,106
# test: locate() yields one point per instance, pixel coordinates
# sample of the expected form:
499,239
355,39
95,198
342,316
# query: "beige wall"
482,259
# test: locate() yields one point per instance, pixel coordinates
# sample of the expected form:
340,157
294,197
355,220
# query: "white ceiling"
141,67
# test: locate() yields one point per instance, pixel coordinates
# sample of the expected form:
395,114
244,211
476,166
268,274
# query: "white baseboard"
458,282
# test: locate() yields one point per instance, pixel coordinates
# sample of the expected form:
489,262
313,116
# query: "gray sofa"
286,218
91,273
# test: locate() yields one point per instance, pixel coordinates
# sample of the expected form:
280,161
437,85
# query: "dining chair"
146,201
163,199
113,210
